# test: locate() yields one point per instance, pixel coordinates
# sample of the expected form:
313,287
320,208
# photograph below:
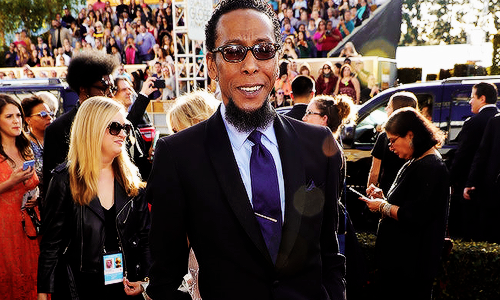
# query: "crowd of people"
240,202
140,33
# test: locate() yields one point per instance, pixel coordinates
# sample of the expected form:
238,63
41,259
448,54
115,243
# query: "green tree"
30,14
432,22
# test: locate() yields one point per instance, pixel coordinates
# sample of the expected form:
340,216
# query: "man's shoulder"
305,130
188,137
62,122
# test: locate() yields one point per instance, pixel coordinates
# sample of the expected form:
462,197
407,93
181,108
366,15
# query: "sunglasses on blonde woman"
115,128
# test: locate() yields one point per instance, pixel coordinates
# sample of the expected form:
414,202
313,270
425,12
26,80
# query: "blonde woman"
97,220
190,109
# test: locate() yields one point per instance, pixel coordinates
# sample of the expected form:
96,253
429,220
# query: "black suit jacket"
469,139
197,192
298,111
56,144
485,169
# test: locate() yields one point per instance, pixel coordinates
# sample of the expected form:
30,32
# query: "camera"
159,83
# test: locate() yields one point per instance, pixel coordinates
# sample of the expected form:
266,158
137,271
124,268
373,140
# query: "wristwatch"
144,285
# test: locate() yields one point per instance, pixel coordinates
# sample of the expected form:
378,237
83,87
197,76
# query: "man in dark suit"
302,92
88,75
205,192
483,99
484,181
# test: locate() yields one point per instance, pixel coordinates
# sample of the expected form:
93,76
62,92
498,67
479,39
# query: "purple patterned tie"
265,194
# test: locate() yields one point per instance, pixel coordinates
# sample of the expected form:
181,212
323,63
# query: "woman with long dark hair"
348,84
17,184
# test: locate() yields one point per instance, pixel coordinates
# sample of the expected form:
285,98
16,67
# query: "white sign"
198,14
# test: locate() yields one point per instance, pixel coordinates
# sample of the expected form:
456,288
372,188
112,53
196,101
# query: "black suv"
447,102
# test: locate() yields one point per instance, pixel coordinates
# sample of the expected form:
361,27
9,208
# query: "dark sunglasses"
108,86
43,114
115,128
237,53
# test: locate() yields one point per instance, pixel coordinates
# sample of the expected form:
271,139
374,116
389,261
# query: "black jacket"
469,139
75,234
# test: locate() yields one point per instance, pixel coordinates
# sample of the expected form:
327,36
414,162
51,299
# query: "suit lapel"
294,178
227,172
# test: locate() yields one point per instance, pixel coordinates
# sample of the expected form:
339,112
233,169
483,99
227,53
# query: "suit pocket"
309,200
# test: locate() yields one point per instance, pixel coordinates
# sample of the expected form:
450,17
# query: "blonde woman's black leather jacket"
74,235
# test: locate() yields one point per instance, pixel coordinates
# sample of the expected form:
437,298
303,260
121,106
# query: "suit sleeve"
137,110
465,152
479,164
333,261
168,237
54,153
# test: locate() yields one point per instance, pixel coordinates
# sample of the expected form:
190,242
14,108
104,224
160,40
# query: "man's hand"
468,191
147,86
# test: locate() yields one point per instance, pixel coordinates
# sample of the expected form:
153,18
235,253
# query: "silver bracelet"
387,210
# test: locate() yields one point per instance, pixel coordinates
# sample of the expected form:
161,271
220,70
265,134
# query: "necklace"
40,145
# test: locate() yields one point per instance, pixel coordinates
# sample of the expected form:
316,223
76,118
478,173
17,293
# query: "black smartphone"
159,83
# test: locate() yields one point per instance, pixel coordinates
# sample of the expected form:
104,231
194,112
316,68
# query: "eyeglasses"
237,53
115,128
308,112
43,114
326,68
392,141
108,87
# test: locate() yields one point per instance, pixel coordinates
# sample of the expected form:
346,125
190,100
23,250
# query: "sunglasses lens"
44,114
127,128
234,53
115,128
264,51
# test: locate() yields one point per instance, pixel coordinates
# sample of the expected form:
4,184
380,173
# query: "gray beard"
247,121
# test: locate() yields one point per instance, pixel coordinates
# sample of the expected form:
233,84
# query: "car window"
459,112
367,129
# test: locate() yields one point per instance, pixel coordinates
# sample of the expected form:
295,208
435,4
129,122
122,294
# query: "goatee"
246,121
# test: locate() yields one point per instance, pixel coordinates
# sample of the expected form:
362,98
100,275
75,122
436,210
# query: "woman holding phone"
95,245
18,242
411,231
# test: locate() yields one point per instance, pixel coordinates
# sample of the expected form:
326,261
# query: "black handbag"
32,214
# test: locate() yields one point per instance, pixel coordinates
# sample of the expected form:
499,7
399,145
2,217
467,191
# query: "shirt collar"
486,106
238,138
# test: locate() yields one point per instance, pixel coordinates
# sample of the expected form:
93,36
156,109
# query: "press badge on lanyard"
113,268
